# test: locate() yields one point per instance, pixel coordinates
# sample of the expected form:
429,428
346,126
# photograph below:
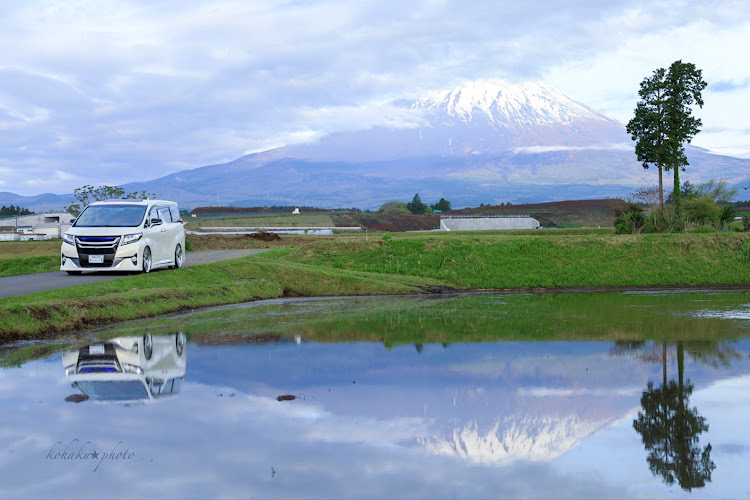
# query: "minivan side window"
174,210
154,214
163,214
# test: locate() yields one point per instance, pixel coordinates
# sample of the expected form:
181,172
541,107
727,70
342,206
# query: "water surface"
618,395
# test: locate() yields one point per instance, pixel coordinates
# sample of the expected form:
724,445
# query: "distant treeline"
14,210
290,208
270,210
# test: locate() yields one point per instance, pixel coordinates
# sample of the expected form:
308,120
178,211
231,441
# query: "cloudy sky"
109,92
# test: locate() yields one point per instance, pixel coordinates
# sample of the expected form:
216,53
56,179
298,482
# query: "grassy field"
501,262
26,257
85,306
19,249
301,220
387,264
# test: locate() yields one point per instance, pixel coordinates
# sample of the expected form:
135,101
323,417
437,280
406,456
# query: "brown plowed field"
393,223
573,213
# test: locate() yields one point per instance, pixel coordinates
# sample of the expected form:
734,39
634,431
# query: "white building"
487,222
36,226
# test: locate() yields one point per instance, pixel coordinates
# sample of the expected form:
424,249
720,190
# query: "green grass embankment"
391,266
85,306
29,265
25,257
548,262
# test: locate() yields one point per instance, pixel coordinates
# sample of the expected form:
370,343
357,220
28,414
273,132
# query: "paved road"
30,283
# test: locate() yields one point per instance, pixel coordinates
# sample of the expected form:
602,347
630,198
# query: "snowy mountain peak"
504,104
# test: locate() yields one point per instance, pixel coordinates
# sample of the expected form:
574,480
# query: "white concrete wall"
488,223
51,230
38,219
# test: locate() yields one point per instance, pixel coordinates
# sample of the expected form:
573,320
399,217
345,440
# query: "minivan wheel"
148,346
179,257
146,260
180,343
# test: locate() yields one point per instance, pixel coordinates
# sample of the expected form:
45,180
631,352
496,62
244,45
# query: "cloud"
548,149
729,86
131,90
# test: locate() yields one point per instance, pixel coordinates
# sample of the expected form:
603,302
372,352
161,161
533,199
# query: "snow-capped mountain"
505,105
481,142
477,118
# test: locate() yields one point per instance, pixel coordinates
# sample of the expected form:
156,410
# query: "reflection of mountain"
515,437
532,424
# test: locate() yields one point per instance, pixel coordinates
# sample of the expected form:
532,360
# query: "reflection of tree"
669,429
713,353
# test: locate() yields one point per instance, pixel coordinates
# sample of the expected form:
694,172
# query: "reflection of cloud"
732,449
542,392
226,431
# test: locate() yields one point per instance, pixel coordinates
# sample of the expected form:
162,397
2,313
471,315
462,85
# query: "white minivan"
124,235
129,369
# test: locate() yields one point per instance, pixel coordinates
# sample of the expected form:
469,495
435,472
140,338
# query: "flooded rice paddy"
582,395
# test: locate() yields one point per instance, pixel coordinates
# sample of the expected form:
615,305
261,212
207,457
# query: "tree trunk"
661,188
676,194
680,366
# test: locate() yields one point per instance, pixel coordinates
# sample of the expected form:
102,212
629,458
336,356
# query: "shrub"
394,207
629,219
728,213
702,210
702,229
736,226
744,253
663,221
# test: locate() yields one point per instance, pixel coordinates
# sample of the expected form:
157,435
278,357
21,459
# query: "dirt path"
11,286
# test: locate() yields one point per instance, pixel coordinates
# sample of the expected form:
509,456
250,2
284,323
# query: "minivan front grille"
98,363
97,245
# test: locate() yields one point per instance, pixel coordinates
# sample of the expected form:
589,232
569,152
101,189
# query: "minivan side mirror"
155,222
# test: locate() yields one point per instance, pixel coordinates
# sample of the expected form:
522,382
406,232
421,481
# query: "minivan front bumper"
99,254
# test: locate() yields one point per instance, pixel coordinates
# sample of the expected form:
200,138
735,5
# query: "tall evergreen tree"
443,205
663,120
416,206
647,127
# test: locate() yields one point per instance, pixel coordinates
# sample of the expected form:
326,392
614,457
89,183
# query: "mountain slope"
476,119
484,142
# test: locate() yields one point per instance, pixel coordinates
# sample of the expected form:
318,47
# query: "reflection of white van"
124,235
129,368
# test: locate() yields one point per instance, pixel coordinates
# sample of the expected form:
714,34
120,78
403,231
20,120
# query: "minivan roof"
135,202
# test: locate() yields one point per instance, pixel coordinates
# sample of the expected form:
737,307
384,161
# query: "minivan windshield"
111,216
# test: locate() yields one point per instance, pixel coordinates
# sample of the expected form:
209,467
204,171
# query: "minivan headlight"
131,238
130,368
69,239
